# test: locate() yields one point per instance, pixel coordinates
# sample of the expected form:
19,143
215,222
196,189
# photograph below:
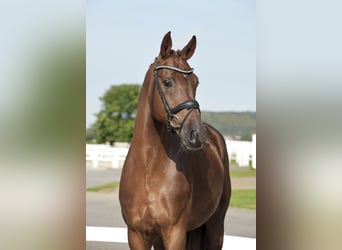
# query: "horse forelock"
177,54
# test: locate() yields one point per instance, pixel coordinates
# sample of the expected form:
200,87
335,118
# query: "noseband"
189,105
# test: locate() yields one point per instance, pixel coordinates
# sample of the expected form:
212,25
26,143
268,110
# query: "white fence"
243,153
106,156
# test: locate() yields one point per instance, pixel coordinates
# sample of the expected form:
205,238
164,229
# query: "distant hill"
240,124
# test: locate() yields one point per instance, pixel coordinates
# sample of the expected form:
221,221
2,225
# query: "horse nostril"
193,136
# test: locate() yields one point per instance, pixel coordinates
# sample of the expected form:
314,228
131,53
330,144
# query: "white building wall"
254,151
239,151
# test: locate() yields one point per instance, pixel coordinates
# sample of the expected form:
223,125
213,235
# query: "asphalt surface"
103,209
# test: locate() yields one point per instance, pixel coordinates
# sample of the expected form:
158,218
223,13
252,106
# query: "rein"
189,105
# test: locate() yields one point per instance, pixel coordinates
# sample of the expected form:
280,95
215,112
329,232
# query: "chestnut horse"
175,185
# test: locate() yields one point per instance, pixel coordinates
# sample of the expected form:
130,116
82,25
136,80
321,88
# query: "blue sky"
123,38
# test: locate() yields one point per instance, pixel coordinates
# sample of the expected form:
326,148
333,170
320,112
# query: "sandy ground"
244,183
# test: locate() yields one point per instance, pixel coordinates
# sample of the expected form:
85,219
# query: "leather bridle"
173,121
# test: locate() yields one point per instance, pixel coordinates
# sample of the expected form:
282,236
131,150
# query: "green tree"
91,134
115,121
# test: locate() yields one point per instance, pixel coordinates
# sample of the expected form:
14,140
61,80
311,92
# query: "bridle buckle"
175,122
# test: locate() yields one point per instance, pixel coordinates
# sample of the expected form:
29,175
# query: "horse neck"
146,131
151,140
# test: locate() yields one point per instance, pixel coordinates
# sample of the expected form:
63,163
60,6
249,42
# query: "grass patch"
243,172
243,198
104,187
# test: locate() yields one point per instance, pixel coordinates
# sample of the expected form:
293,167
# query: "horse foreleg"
158,243
175,238
214,234
215,225
138,241
197,239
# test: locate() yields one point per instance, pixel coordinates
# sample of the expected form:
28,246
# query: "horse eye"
167,82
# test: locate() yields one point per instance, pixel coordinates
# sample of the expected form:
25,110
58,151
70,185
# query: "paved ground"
103,209
100,176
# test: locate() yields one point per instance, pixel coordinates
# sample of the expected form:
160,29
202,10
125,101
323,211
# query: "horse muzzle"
193,134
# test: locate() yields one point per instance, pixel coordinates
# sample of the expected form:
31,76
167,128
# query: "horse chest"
170,191
179,194
155,203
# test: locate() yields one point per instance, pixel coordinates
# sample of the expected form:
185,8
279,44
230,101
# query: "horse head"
174,92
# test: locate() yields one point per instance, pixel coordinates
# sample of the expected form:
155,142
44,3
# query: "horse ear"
189,49
166,45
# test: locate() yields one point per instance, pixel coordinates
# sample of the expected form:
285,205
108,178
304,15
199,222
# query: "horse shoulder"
217,142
